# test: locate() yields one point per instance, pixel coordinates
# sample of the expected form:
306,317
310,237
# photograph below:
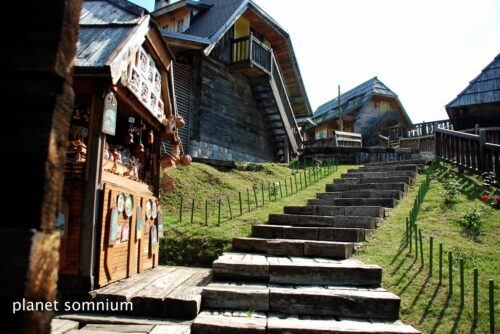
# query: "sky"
426,51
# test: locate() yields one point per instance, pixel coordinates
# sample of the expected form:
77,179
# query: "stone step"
308,233
364,180
376,186
396,194
231,322
324,221
385,168
303,300
324,210
385,202
284,247
296,270
409,173
401,162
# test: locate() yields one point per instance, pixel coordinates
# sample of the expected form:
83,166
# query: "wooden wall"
182,77
373,110
228,112
124,259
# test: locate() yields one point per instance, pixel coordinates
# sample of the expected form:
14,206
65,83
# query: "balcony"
255,59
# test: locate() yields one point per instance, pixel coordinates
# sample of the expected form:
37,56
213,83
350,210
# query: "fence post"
421,247
218,215
415,227
482,140
300,177
269,191
241,204
305,179
440,263
410,234
281,190
462,284
296,187
492,301
255,194
431,246
230,210
248,199
263,200
476,288
407,231
450,272
206,212
192,211
286,189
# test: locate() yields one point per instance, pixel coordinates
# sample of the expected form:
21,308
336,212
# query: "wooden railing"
492,133
468,151
422,143
258,54
370,136
417,130
339,139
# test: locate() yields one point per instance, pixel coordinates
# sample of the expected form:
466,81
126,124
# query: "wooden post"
482,141
241,204
341,120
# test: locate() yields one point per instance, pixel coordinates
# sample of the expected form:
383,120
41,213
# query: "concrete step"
323,210
303,300
396,194
364,180
385,202
376,186
296,270
308,233
409,173
231,322
324,221
288,247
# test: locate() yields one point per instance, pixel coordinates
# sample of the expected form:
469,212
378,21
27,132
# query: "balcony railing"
250,50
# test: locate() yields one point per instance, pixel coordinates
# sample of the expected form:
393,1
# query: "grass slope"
425,304
198,245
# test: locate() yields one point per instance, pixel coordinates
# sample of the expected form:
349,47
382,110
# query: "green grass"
198,245
424,304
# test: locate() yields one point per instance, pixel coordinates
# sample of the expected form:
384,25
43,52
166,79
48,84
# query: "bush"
472,222
450,191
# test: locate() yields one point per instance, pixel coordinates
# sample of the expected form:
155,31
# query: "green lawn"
198,245
425,304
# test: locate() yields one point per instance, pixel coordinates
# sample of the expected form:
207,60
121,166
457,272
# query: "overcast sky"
426,51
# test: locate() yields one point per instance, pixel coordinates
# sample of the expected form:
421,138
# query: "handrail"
371,134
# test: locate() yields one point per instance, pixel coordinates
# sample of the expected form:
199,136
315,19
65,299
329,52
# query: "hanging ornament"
109,115
186,160
179,122
140,146
151,137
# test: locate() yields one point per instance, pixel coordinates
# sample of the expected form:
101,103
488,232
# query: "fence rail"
468,151
339,139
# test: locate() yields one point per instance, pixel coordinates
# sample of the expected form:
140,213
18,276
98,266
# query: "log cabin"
237,80
109,217
369,109
479,103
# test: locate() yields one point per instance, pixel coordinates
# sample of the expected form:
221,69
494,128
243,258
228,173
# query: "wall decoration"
153,239
138,234
149,205
144,80
119,231
125,234
129,205
109,116
120,202
154,209
113,226
160,225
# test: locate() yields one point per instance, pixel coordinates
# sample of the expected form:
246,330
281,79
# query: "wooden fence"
468,151
339,139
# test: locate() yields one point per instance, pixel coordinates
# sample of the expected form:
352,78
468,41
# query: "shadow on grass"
419,293
429,304
400,264
457,320
441,314
410,281
400,251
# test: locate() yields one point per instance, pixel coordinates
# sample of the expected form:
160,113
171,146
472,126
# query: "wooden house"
368,109
479,102
109,218
238,84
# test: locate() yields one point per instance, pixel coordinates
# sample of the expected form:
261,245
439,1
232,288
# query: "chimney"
161,3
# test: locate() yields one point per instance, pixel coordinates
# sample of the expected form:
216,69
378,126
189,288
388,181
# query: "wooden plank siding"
182,77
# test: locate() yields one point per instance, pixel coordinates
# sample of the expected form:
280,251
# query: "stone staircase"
294,274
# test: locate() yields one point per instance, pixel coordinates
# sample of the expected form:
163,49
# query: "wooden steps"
330,210
324,221
287,247
296,270
294,275
307,300
308,233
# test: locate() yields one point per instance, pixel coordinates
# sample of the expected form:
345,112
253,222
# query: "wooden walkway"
293,275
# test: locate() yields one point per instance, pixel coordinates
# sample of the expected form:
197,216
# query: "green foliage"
472,222
450,191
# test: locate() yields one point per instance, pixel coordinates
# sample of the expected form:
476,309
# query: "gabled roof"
109,31
220,16
485,88
354,99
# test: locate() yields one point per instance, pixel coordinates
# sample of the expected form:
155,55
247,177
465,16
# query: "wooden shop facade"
109,217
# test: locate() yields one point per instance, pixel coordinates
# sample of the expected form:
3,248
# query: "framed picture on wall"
113,226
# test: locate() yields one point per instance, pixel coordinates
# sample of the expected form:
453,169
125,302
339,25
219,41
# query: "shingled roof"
485,88
354,99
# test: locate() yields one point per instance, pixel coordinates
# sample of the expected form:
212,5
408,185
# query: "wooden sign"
113,226
138,234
